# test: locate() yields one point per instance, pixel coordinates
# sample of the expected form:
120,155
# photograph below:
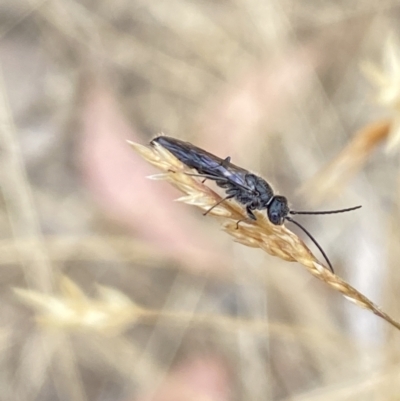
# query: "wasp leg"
249,213
218,203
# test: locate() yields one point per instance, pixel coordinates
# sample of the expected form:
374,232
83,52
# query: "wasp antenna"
315,243
328,211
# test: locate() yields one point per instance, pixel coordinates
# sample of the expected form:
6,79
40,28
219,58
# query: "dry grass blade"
350,160
276,240
386,79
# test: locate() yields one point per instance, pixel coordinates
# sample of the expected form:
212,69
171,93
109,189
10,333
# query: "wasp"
248,189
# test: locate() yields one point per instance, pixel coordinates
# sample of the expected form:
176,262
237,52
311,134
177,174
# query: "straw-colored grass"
111,312
77,78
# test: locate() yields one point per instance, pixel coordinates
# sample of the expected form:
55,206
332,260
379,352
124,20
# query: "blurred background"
112,291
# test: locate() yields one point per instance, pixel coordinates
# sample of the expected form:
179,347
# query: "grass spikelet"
276,240
110,313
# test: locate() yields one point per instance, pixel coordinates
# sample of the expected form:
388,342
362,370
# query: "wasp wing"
204,162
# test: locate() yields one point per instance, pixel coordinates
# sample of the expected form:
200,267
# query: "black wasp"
246,188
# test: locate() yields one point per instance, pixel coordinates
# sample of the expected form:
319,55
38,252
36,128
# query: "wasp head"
278,209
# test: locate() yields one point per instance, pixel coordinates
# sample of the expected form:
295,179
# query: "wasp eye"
274,217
